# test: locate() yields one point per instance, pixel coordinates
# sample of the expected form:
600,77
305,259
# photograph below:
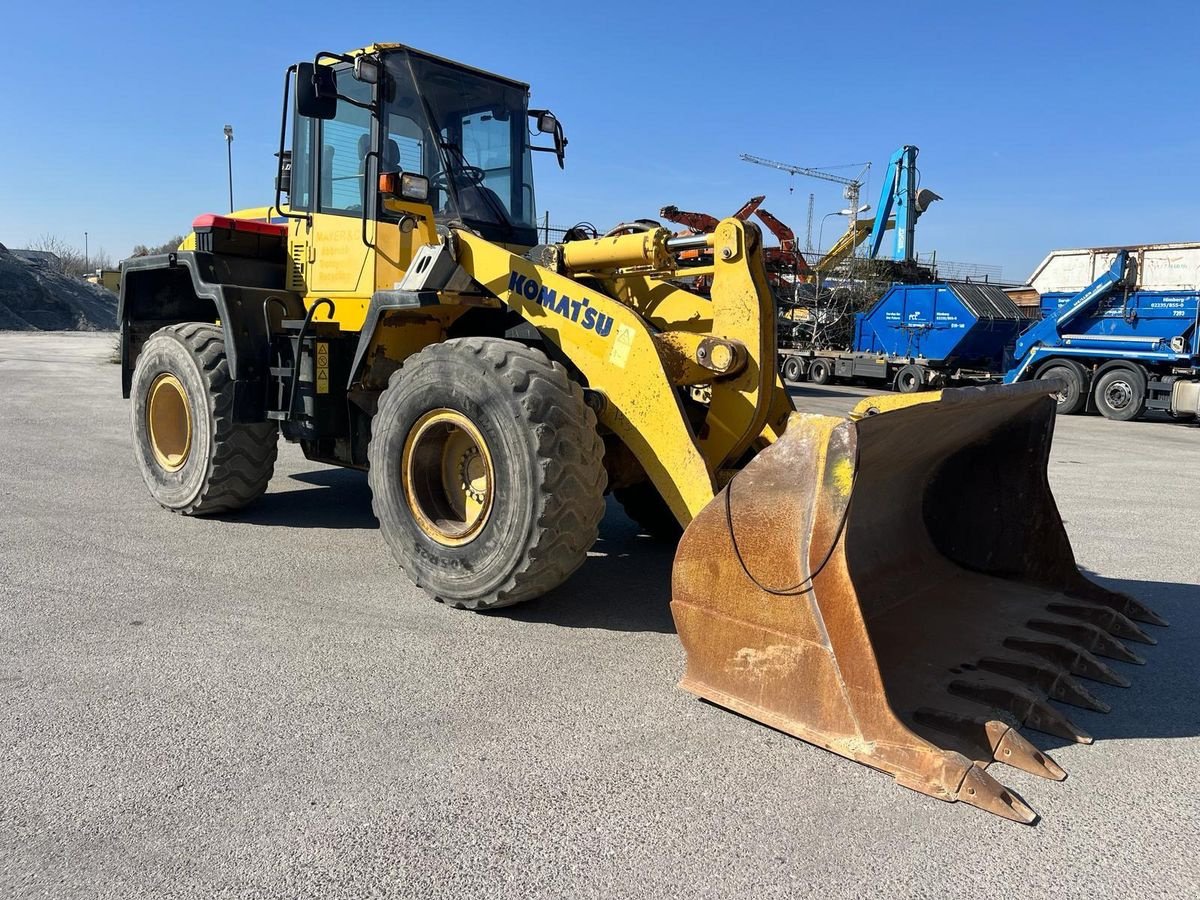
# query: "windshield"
467,133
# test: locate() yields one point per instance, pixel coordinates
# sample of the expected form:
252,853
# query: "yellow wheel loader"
895,586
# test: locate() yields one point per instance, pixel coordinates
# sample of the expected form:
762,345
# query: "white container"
1160,267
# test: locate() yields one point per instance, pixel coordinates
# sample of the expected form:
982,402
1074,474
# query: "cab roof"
384,48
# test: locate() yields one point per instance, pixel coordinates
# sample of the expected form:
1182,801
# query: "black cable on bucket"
805,586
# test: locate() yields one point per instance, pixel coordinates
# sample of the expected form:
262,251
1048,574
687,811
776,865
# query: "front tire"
486,472
193,457
1073,398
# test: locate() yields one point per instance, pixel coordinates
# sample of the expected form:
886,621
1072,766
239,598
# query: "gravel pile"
34,296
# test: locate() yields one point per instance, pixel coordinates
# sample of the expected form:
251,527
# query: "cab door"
331,171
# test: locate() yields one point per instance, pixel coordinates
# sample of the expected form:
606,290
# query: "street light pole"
854,213
85,252
229,155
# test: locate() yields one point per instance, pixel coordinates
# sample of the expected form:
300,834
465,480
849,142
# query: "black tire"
793,371
1120,394
910,379
820,371
645,505
546,494
1073,399
227,465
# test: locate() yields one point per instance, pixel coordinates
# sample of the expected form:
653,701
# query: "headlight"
414,187
406,185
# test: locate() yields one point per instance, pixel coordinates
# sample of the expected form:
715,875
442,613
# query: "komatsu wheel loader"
895,586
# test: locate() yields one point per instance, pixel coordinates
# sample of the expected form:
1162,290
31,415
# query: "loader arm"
637,361
1048,331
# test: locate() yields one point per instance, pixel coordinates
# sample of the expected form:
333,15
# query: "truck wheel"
194,458
910,379
793,371
1120,394
820,371
644,504
1073,399
486,472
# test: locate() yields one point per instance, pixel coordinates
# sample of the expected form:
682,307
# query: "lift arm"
1048,332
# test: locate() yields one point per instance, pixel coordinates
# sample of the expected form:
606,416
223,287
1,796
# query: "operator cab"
460,136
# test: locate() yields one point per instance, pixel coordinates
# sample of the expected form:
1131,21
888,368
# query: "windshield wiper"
481,188
450,166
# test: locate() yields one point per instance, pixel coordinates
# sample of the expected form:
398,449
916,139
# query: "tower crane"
851,187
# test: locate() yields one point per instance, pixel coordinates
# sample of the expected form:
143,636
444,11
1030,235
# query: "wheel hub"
448,477
1118,394
169,422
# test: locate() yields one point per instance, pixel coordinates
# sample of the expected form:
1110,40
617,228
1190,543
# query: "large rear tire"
193,457
486,472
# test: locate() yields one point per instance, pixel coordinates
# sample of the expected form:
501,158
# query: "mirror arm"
287,85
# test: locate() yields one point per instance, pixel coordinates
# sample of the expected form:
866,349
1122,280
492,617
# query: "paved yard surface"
262,706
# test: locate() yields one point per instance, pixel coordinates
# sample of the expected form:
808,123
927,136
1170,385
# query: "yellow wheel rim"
169,422
448,477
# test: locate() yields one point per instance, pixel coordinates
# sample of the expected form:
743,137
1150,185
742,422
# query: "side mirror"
316,91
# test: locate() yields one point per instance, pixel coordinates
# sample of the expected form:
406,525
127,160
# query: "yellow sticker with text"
621,346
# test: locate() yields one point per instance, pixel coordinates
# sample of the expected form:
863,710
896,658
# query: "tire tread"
569,450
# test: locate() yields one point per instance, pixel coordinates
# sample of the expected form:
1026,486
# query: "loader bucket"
900,590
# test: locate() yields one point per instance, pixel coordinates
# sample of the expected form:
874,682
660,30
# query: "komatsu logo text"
580,311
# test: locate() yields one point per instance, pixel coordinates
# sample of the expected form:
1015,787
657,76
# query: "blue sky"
1043,125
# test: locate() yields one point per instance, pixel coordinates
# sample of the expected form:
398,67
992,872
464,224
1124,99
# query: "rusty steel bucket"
899,589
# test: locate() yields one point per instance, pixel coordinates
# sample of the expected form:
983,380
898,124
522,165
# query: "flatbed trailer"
919,337
906,374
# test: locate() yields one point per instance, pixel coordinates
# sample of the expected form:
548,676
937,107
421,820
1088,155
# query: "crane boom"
803,170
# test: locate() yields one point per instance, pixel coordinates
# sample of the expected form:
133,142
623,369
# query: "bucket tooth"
1076,659
1135,610
1105,617
993,740
982,790
1089,637
1122,603
1014,750
1054,681
1032,711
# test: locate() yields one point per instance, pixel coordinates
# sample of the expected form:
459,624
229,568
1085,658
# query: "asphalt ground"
262,706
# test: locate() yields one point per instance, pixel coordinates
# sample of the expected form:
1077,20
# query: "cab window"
487,143
344,141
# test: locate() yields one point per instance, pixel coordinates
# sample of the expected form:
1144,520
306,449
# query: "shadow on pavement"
338,498
1163,700
624,586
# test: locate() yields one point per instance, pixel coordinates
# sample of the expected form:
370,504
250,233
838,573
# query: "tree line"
72,261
